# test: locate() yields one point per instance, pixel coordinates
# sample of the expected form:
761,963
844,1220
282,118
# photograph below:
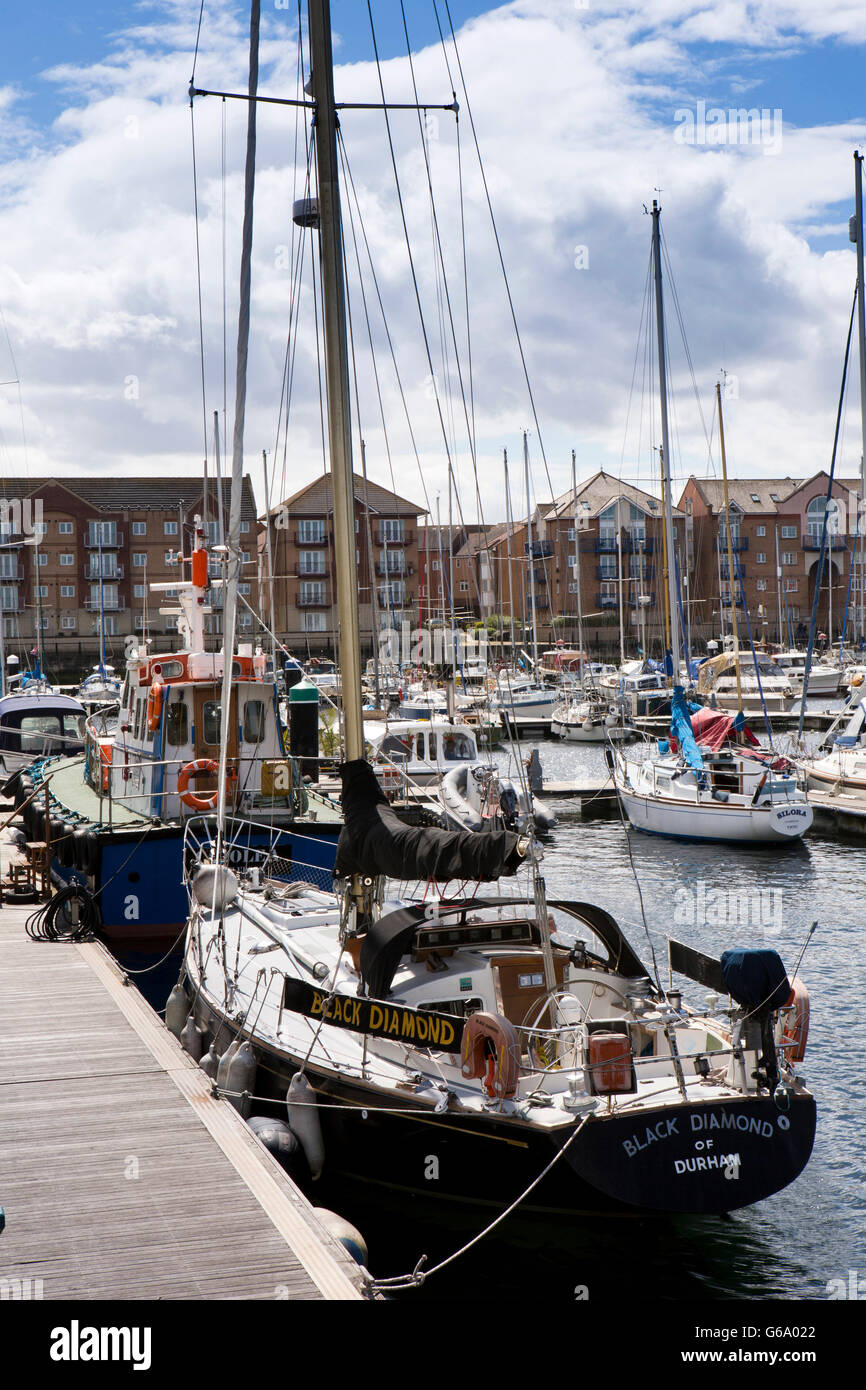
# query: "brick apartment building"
101,542
304,579
776,526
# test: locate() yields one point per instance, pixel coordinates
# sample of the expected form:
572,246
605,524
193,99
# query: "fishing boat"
481,1047
118,811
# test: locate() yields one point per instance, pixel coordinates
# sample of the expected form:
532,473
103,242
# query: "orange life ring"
201,803
795,1029
155,697
490,1051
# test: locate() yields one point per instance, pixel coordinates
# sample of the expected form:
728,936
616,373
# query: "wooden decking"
121,1175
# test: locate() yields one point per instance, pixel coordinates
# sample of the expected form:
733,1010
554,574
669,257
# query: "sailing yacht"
516,1039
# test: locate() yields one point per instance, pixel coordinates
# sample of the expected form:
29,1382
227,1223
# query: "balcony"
607,572
739,572
813,542
540,575
542,603
13,574
312,601
605,545
303,572
633,545
94,544
305,538
606,601
393,571
541,550
405,538
645,578
109,605
633,601
737,543
91,573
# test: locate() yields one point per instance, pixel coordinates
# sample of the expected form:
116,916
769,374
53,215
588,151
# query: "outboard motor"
758,981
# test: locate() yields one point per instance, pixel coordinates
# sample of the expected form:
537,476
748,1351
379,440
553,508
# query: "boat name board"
369,1016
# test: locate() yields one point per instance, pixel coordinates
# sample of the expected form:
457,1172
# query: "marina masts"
731,593
337,370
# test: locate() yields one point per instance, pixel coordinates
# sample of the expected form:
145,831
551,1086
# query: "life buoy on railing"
491,1052
795,1028
155,697
202,803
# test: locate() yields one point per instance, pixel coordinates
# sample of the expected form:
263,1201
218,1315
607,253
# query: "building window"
244,589
311,562
41,590
464,586
760,530
102,533
170,557
169,528
245,619
139,591
139,559
391,529
41,559
761,585
8,565
65,528
789,557
109,625
245,526
312,622
67,559
67,591
67,623
139,528
435,564
789,533
311,532
9,598
761,557
791,586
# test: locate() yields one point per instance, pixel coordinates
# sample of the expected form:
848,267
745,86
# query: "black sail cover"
375,841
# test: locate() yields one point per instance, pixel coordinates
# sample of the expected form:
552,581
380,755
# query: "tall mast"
232,558
271,604
508,553
531,557
577,565
730,546
337,370
666,452
861,338
779,587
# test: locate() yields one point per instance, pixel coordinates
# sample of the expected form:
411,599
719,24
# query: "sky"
584,111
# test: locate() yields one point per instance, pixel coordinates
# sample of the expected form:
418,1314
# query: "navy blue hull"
139,879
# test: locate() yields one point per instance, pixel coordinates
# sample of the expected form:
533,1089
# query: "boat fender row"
177,1009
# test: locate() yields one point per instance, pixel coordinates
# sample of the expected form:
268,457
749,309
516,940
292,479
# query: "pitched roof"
378,497
599,491
133,494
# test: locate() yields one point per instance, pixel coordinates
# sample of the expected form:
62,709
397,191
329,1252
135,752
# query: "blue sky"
575,108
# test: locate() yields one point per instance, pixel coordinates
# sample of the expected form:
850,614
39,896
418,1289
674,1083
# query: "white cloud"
575,115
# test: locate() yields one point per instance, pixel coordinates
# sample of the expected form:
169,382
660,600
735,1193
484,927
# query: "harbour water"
791,1246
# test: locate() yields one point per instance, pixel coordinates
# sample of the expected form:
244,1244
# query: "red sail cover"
713,727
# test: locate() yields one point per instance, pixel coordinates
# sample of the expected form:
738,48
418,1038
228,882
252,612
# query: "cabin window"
457,747
140,708
177,723
397,748
37,728
211,721
254,721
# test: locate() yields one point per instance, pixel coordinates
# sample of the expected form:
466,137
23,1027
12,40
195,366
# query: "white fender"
304,1120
